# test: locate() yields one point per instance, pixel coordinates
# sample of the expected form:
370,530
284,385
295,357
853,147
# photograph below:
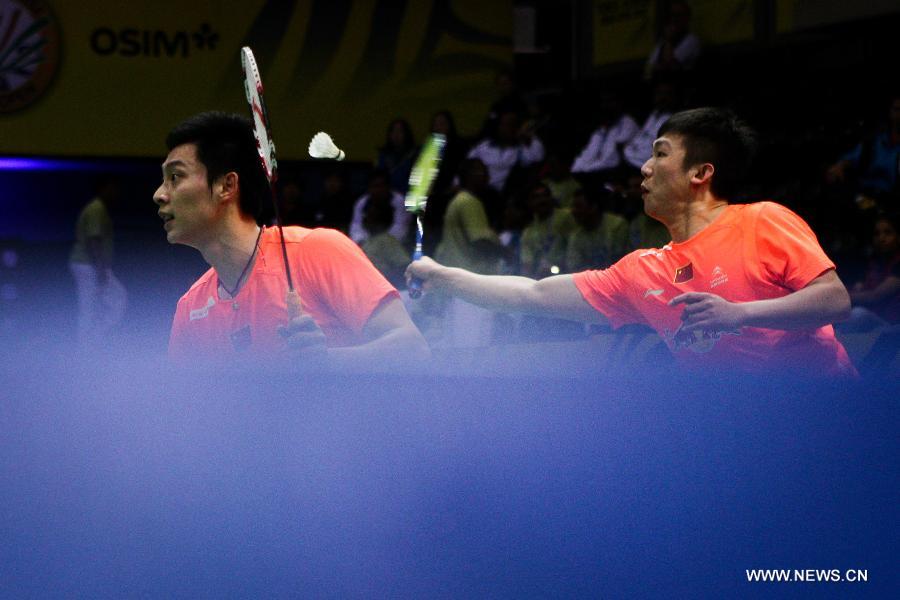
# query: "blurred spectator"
559,179
442,191
383,249
336,205
511,146
603,153
379,190
678,49
11,309
469,242
876,299
101,296
870,168
397,154
600,237
295,210
454,150
665,102
543,246
508,99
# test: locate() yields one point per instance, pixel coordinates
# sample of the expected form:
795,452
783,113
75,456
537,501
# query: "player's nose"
159,196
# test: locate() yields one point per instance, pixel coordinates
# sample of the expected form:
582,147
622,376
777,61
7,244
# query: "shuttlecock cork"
321,146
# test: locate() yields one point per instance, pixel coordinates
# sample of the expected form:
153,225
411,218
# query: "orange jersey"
750,252
337,284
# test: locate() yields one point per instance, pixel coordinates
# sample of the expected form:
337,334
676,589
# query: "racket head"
424,172
262,130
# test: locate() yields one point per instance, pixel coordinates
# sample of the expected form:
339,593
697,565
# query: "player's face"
185,200
666,181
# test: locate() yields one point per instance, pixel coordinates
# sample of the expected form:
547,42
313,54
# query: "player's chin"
173,236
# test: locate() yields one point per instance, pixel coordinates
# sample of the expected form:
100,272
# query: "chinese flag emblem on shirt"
684,274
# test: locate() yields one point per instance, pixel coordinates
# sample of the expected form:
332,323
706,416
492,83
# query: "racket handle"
415,284
293,304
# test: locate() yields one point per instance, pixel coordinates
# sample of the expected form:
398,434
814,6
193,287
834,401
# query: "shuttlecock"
321,146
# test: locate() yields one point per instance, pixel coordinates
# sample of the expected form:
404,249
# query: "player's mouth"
644,190
166,219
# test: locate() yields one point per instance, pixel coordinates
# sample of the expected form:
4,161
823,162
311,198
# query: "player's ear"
703,173
228,189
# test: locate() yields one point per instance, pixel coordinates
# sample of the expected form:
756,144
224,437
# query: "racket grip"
293,304
415,284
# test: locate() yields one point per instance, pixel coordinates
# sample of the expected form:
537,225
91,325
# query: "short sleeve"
789,253
344,280
609,291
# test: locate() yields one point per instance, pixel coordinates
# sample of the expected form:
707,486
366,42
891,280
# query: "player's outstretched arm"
823,301
555,296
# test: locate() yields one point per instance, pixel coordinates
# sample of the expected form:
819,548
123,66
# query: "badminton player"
739,286
210,197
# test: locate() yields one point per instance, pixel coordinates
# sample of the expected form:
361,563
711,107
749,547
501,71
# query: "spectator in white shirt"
603,151
380,191
665,102
508,147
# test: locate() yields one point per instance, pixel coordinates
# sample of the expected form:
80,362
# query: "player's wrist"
746,313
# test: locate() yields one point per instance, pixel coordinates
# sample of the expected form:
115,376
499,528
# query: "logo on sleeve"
203,312
684,274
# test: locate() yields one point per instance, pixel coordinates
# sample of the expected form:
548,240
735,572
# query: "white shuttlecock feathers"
321,146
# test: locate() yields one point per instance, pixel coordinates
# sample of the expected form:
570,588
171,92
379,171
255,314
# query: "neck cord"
240,278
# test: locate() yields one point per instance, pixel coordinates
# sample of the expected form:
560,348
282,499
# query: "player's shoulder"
310,241
762,207
646,254
767,212
199,287
292,234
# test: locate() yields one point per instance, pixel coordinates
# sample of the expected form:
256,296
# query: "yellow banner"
623,30
111,78
722,21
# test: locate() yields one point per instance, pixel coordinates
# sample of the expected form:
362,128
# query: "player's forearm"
820,303
501,293
395,350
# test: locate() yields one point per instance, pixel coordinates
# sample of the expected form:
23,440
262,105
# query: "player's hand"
303,334
425,269
708,312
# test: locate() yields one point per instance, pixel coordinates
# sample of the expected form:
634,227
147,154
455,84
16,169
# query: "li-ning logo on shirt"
718,277
652,292
202,313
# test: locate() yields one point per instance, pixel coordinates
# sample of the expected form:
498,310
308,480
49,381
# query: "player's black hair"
716,136
225,143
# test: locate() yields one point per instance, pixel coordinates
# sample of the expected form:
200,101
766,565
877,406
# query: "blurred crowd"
526,195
